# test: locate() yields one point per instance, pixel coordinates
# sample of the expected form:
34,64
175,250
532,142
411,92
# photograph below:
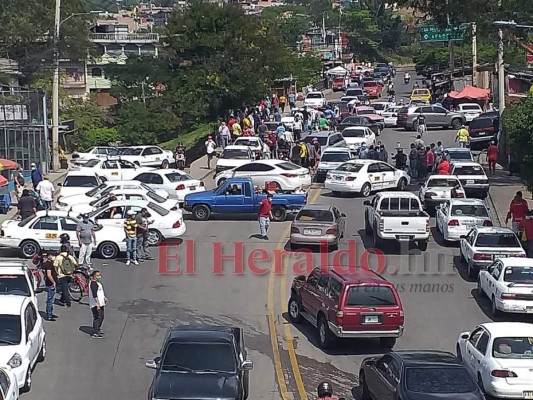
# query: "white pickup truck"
397,216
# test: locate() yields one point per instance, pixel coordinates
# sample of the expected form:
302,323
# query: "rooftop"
502,329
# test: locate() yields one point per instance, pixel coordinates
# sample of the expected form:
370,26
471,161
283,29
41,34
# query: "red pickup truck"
372,89
338,84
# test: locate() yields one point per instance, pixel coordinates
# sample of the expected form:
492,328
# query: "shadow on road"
462,270
389,247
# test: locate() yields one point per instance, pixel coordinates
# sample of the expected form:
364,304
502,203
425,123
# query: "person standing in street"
36,176
26,205
463,137
97,303
517,211
65,266
282,103
210,147
492,157
526,227
50,281
292,100
297,128
224,135
143,253
19,181
86,240
130,229
265,215
430,160
443,168
46,190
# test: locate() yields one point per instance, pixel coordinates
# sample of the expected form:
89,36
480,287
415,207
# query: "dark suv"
201,363
483,130
362,304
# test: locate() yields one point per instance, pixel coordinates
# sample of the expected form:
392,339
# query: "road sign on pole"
430,33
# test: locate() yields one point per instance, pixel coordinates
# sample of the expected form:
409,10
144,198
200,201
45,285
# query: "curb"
494,208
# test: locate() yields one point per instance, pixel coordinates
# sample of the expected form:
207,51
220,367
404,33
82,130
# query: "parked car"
370,113
482,245
315,100
338,84
397,216
483,131
456,217
201,363
234,156
473,178
148,156
390,116
436,116
16,279
332,158
356,136
288,121
9,389
78,182
255,144
381,106
470,111
420,95
372,89
326,139
354,120
99,152
417,374
498,356
356,92
359,304
458,154
438,189
318,225
175,182
113,169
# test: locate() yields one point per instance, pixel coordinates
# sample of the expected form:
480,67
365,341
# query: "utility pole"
55,90
474,54
450,44
501,72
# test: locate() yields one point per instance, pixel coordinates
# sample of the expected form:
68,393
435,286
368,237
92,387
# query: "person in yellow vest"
246,123
282,103
463,137
237,130
303,153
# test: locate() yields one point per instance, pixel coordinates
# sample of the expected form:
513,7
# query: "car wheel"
387,342
76,292
457,123
294,310
325,338
201,213
480,291
279,214
29,248
423,245
42,353
365,394
164,164
108,250
366,190
493,309
402,183
27,382
154,237
470,270
458,352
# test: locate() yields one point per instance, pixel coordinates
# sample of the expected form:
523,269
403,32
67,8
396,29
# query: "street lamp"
55,82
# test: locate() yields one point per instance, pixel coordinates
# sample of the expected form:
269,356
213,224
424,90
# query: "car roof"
336,150
316,91
404,195
243,138
167,171
469,104
363,161
238,147
321,134
457,149
466,202
424,358
83,172
13,267
503,329
360,276
358,127
12,304
435,177
517,262
118,203
317,207
141,147
493,229
196,334
366,107
53,213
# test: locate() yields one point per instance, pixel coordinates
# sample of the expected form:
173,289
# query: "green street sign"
432,33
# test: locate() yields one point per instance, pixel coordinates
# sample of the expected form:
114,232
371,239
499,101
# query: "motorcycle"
406,79
180,160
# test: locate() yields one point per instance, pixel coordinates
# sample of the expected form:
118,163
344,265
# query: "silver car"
317,225
436,116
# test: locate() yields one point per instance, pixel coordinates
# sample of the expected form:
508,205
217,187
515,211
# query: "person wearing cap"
463,137
130,229
86,240
265,215
210,147
492,157
36,176
143,253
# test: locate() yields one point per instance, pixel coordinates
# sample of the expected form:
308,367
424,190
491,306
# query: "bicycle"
79,284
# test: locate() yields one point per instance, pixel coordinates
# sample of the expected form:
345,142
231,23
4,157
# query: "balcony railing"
124,37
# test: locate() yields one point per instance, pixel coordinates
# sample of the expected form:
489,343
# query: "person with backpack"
65,266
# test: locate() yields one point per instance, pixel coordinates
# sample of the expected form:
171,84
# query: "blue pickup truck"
238,196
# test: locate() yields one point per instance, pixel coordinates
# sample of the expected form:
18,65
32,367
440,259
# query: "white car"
22,338
175,182
114,169
102,152
16,278
288,121
456,217
64,203
125,194
234,156
42,231
148,156
470,111
483,245
331,159
286,175
355,136
499,355
315,100
437,189
365,177
473,178
9,389
255,144
78,182
391,116
166,224
508,283
381,106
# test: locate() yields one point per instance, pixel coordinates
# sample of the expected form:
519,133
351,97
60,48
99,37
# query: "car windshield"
497,240
404,110
370,296
481,123
315,216
350,167
217,357
91,163
351,120
93,192
131,152
80,181
155,197
354,92
379,106
459,155
314,96
321,139
335,157
471,107
236,154
420,93
246,142
10,330
288,166
368,111
178,177
158,209
512,347
439,380
468,170
518,275
467,210
14,284
353,133
433,183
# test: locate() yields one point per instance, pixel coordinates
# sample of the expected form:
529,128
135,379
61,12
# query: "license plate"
404,237
193,188
313,232
483,134
338,178
470,182
528,395
371,319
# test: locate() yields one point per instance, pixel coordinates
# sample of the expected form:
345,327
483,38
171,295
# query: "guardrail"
125,37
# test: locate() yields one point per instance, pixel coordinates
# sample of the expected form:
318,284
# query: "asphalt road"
145,300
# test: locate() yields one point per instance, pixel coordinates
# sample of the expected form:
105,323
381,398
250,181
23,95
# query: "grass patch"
189,139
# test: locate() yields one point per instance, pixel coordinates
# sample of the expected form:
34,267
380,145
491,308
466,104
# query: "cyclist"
421,121
463,137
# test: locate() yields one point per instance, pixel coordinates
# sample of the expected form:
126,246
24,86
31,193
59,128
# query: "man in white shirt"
224,134
46,191
210,147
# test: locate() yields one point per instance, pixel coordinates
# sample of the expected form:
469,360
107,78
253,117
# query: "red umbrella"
8,164
3,181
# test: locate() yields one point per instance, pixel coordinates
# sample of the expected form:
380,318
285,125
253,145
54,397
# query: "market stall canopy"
471,92
3,181
337,71
7,164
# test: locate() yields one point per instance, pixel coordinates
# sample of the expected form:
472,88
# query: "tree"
364,35
292,21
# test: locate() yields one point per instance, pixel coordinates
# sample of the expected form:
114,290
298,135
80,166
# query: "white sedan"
470,111
79,158
438,189
456,217
78,182
148,156
286,175
234,156
175,182
390,116
355,136
508,283
499,355
255,144
9,389
166,224
381,106
42,231
365,177
114,169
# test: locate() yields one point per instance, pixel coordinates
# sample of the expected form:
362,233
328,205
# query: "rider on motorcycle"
325,392
64,240
407,77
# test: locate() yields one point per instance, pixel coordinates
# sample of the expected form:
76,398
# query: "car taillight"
350,178
290,175
453,222
429,195
339,317
331,231
520,255
482,257
177,224
460,195
487,223
502,373
381,224
428,225
202,184
294,230
508,296
180,187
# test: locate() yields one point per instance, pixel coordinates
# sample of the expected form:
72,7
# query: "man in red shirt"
526,226
444,167
492,157
265,214
517,211
430,159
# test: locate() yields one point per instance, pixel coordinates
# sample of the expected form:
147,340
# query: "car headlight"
15,361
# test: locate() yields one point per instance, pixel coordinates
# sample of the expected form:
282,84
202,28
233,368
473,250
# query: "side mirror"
462,237
465,336
366,202
59,184
153,364
343,215
301,278
247,365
